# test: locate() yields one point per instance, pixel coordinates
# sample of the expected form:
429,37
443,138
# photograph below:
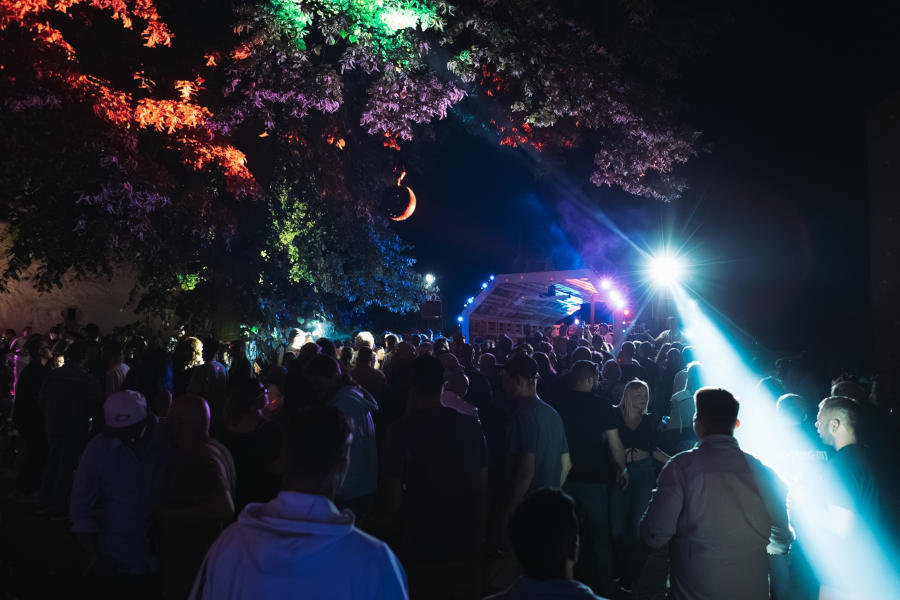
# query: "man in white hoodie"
299,545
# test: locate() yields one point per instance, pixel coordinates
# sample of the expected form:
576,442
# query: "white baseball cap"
124,409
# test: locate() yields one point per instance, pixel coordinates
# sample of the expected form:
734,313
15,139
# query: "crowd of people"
425,466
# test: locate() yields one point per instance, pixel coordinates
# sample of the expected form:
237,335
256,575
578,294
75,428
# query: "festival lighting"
484,285
849,550
459,319
577,322
429,279
491,277
626,312
470,299
665,269
605,284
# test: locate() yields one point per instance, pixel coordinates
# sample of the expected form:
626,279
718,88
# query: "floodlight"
605,284
491,277
665,269
429,279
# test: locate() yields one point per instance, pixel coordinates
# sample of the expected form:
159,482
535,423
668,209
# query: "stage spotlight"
626,312
605,284
491,277
484,285
459,319
577,322
429,279
665,270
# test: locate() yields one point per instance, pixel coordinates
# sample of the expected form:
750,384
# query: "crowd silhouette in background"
422,466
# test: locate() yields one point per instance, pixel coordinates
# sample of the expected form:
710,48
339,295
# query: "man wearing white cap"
119,471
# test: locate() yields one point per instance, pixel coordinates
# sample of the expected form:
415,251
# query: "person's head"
426,347
791,409
325,377
545,367
661,355
113,351
635,397
583,376
717,412
693,381
687,354
53,333
210,349
10,334
674,361
125,416
188,420
611,371
837,422
427,380
602,328
390,342
581,353
27,331
543,531
467,355
487,363
365,357
365,339
38,348
91,331
644,350
188,353
441,345
346,355
327,346
317,451
405,351
457,383
519,376
248,396
76,353
274,381
849,389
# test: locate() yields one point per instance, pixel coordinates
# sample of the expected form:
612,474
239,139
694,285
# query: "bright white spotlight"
484,285
459,319
665,270
605,284
577,322
429,279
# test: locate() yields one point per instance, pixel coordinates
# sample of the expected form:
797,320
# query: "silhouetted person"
544,536
597,457
29,418
196,502
299,545
720,508
209,380
68,398
435,486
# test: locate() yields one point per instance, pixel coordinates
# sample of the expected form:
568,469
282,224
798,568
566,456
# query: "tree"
237,167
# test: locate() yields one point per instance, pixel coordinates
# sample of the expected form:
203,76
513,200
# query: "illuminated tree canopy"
235,152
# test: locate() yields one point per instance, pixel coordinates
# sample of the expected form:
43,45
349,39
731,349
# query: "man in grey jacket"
721,508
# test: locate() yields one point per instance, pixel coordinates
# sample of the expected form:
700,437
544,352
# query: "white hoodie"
298,546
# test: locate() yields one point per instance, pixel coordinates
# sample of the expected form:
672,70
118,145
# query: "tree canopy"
234,155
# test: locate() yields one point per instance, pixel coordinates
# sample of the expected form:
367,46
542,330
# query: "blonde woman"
637,429
187,355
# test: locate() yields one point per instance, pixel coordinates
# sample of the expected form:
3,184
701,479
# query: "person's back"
537,427
299,544
358,406
721,508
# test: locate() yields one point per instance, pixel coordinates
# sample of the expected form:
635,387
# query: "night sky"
775,219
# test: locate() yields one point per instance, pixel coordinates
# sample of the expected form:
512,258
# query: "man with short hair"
210,381
68,398
366,375
631,368
544,535
537,450
299,544
678,433
595,445
116,369
435,485
837,424
117,486
721,508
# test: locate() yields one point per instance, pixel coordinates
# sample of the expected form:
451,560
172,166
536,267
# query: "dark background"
775,220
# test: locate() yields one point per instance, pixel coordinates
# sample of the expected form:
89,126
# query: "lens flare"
666,269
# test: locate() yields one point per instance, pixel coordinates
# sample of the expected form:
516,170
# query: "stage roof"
523,297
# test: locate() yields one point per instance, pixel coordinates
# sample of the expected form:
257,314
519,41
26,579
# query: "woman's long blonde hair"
627,392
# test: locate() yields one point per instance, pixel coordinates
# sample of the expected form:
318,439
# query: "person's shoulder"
367,547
